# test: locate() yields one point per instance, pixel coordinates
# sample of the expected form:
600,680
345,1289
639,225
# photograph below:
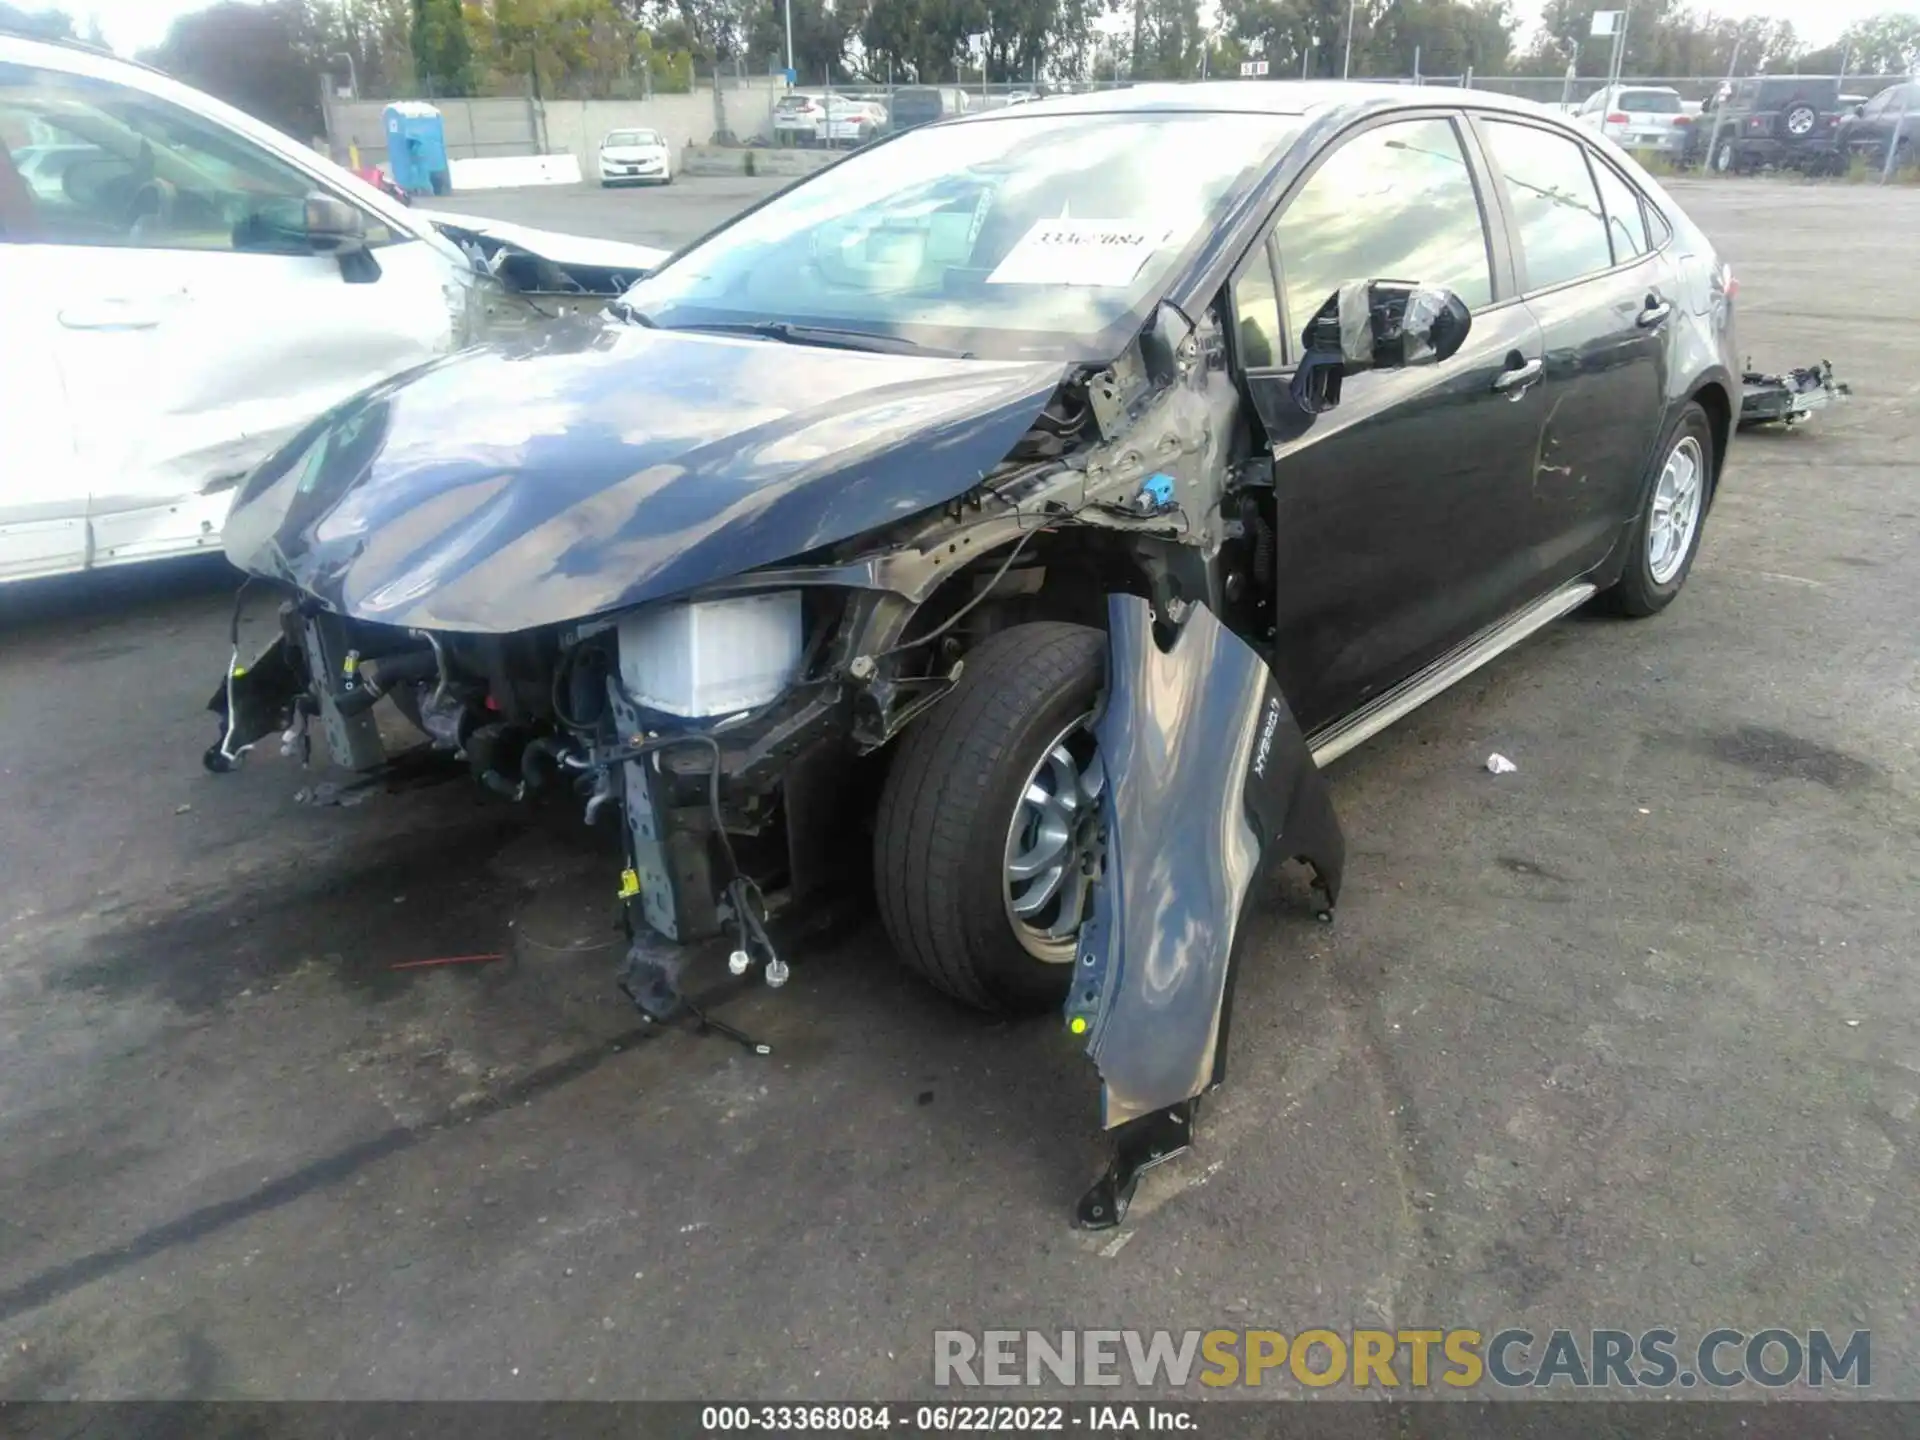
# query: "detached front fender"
1209,781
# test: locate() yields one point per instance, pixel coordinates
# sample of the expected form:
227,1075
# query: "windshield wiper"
828,337
626,311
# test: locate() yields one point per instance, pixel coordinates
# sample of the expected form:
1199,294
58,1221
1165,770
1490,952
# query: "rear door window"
1650,102
1555,205
1626,222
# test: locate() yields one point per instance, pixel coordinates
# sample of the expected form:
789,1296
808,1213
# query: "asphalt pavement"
1628,1037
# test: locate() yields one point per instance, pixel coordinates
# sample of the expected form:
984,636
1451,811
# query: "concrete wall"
474,128
733,160
518,126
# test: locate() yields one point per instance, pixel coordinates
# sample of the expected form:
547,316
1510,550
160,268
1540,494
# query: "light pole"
790,75
1346,62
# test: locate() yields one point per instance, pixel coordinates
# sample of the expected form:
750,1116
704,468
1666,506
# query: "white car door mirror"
336,228
333,227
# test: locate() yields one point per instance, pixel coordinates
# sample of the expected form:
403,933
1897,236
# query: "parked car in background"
1889,119
195,288
847,121
1789,121
797,119
923,104
1638,117
637,156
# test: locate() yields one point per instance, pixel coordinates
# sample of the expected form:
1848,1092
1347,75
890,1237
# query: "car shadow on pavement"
108,596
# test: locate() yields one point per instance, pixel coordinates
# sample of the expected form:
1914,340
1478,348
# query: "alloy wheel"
1677,497
1053,845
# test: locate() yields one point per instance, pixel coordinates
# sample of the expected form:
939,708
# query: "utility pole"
1720,106
789,7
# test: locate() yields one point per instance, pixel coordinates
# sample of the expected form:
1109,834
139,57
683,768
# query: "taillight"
1728,284
1683,119
1616,119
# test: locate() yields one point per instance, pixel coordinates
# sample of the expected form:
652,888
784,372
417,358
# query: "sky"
131,25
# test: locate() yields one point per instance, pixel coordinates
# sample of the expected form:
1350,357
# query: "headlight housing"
707,658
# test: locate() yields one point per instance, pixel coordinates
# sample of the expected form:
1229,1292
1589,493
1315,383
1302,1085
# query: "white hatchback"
630,157
182,288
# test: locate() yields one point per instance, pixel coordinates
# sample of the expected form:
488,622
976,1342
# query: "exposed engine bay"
727,729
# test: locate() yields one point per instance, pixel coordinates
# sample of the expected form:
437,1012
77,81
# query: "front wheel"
1666,536
987,836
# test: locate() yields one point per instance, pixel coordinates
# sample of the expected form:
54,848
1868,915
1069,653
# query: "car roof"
1270,97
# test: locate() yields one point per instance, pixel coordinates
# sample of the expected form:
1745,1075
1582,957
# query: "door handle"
1519,377
112,315
1656,310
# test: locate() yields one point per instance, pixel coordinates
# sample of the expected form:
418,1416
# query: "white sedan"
631,156
182,288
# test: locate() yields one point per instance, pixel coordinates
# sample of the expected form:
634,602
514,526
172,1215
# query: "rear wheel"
1666,536
987,831
1724,162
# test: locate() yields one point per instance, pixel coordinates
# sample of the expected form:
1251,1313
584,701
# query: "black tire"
1637,592
941,831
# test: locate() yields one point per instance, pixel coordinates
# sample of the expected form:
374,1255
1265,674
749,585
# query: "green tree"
1294,37
1886,44
260,58
376,35
442,50
820,37
47,24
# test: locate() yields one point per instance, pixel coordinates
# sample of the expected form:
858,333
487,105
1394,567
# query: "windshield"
630,137
1650,102
1017,237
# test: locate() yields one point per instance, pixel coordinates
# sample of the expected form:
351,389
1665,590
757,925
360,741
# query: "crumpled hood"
562,249
602,465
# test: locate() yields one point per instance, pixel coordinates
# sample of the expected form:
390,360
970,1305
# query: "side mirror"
333,227
1860,110
1375,325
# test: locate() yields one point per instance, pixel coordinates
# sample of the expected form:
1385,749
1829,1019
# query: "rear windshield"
1649,102
633,137
917,102
790,103
1814,90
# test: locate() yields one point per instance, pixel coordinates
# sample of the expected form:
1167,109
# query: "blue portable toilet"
417,148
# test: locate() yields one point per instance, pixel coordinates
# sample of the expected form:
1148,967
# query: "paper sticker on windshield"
1078,252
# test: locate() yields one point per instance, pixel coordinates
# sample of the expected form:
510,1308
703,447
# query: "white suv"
183,287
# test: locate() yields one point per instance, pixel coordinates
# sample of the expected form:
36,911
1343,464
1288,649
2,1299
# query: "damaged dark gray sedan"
1033,502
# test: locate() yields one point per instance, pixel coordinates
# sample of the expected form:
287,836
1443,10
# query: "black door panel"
1605,352
1401,525
1400,528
